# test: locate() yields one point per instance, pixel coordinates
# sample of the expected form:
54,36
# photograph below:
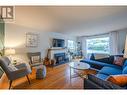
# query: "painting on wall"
32,39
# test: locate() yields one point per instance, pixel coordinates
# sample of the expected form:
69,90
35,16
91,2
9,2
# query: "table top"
79,65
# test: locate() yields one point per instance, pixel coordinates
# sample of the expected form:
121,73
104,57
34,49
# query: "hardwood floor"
56,78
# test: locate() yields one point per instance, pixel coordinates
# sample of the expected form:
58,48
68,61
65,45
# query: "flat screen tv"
58,43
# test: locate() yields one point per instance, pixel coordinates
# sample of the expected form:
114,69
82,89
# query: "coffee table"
78,66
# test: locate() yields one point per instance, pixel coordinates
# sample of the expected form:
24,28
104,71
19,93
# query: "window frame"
68,45
96,37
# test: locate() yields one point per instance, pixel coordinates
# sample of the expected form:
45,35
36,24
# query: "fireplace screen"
59,57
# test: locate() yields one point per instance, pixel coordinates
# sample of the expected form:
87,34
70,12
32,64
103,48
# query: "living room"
63,36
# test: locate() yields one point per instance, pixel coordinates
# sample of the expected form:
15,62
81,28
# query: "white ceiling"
76,21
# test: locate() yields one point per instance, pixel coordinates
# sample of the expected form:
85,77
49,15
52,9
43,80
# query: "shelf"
56,48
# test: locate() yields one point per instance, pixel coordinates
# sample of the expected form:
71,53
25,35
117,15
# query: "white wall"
15,37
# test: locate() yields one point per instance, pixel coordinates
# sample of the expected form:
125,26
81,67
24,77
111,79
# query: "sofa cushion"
92,62
124,64
110,71
124,70
102,76
100,56
120,80
109,60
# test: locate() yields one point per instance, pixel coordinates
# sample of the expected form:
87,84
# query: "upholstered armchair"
14,71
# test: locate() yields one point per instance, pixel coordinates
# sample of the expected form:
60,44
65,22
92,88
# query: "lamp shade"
9,51
125,49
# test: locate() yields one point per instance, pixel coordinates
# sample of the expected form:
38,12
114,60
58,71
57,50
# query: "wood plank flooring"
56,78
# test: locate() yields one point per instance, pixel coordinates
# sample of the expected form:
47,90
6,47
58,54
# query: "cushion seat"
92,62
110,71
102,76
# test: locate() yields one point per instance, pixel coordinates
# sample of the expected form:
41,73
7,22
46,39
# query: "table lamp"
125,49
9,52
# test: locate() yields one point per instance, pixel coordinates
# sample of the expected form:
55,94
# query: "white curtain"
84,46
113,44
125,50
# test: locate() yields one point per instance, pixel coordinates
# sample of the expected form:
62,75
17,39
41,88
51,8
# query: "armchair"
20,71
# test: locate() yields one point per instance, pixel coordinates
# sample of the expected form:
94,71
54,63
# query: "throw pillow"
118,61
35,59
120,80
12,67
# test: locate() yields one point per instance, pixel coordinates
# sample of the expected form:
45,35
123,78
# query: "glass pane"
70,44
98,45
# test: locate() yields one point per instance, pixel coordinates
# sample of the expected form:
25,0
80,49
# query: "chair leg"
52,65
10,84
28,79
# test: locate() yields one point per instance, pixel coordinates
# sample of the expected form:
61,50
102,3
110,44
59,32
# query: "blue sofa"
105,68
99,63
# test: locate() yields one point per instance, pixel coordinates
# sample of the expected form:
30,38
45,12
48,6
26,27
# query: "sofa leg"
28,79
10,84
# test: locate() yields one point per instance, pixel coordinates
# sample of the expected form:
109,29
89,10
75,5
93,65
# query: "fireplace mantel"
53,51
57,48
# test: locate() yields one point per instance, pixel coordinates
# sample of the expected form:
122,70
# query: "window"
97,45
70,44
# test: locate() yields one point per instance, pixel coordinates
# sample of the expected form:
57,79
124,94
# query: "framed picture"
31,40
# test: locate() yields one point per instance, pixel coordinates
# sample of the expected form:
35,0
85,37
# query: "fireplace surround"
60,58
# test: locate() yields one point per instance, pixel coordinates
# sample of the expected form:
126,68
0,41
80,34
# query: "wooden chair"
35,59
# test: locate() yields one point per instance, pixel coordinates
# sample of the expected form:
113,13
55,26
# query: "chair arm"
88,84
22,65
18,73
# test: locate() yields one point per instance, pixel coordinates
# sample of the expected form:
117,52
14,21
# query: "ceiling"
75,21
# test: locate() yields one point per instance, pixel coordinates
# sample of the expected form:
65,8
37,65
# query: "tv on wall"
58,43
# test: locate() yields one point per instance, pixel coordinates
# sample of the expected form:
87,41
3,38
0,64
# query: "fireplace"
60,58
